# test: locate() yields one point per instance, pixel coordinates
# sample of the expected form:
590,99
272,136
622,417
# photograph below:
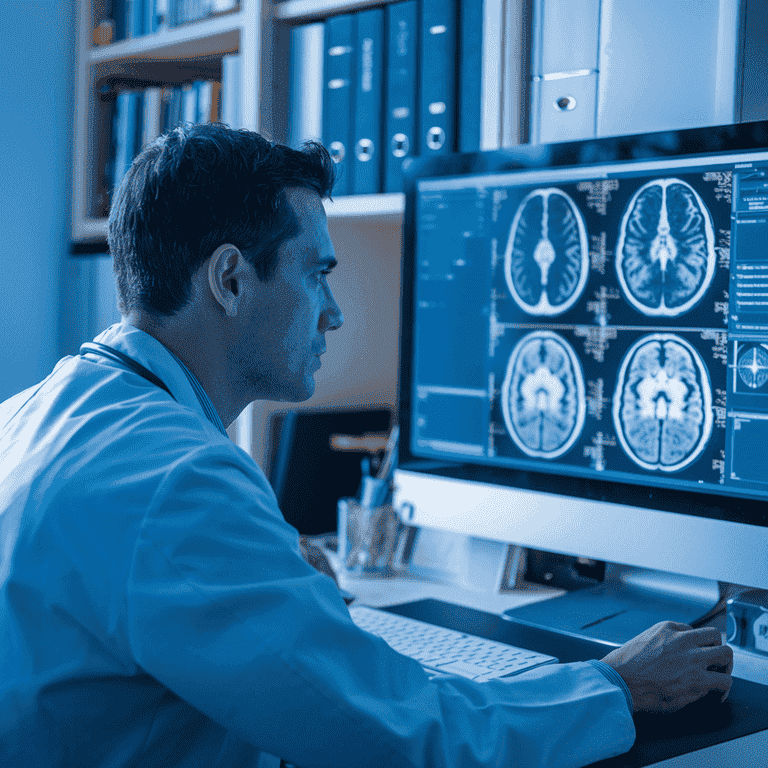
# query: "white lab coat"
155,609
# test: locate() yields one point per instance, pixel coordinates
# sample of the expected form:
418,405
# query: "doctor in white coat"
155,609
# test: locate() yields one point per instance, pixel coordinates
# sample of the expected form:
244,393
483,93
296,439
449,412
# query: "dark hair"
195,188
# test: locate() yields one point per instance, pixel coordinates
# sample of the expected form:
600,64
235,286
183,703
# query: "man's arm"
223,610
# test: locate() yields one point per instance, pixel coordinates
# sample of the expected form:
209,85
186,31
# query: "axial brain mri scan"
543,395
547,256
665,258
662,408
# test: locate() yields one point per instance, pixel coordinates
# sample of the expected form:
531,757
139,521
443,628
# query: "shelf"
306,10
384,206
381,207
196,40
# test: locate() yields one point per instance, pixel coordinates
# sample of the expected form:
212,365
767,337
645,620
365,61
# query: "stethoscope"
103,350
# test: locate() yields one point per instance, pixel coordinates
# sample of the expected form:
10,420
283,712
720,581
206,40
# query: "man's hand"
671,665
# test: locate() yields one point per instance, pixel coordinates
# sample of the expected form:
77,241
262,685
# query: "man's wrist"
613,676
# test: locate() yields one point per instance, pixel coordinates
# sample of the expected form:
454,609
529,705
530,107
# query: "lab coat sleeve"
222,609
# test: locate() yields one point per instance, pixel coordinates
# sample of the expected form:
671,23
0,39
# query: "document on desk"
446,651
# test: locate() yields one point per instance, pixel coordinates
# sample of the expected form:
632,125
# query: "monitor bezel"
689,143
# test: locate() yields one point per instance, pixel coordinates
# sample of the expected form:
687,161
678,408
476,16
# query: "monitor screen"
591,319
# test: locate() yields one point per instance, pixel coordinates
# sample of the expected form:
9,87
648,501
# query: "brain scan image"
665,257
546,263
662,408
753,367
542,395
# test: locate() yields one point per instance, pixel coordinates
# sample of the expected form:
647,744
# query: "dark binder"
369,87
338,96
470,74
400,95
437,109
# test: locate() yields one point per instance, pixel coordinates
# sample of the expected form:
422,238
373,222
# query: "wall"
37,67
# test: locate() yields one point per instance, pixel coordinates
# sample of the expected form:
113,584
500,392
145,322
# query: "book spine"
204,94
306,84
129,126
437,111
338,95
188,104
152,114
161,14
400,95
369,87
230,90
151,18
215,115
120,17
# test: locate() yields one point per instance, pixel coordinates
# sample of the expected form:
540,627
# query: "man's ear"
226,270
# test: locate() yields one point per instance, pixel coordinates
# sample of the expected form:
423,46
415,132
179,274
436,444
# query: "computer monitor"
584,353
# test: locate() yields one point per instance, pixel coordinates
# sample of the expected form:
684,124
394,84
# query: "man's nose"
332,316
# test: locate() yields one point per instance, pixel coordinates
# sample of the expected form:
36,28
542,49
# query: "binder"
437,108
369,86
400,96
480,75
306,84
338,101
470,74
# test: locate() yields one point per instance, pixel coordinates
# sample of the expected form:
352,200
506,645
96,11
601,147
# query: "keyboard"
445,651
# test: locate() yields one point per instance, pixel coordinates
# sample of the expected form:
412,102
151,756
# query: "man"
155,609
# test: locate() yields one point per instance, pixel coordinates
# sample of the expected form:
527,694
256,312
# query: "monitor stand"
626,603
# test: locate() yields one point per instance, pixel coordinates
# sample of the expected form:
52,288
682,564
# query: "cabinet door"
665,64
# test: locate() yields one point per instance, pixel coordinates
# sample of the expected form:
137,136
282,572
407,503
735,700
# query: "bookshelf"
360,369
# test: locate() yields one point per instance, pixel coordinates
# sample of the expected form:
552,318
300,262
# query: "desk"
739,737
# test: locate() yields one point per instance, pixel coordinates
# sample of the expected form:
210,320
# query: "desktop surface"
698,726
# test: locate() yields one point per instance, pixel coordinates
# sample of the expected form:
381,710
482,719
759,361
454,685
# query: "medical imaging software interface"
607,321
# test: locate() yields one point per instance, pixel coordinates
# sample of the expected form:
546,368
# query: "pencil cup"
368,538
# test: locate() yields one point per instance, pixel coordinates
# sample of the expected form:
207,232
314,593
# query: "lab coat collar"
155,356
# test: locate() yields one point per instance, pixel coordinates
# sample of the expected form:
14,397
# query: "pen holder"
368,538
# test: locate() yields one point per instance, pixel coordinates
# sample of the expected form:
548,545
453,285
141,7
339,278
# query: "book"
152,115
437,102
338,95
400,91
204,94
230,90
129,131
120,18
306,84
369,87
136,18
188,104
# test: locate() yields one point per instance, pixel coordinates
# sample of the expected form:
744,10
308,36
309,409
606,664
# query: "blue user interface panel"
607,322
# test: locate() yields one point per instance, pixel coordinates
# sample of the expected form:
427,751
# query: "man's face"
285,319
